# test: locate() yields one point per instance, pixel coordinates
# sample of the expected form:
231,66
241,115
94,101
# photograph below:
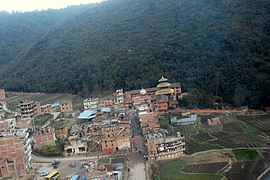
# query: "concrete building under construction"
15,153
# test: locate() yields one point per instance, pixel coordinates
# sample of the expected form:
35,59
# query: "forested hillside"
212,47
20,31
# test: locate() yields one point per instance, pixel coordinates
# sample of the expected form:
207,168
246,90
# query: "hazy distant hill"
20,31
218,47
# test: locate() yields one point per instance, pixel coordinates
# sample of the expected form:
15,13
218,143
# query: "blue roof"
106,110
87,114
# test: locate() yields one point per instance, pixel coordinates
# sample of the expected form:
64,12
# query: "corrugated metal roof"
87,114
106,110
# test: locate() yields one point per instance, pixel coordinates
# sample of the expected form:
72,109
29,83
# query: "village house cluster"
148,104
19,137
123,122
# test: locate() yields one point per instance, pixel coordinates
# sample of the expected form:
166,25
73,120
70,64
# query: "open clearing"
13,99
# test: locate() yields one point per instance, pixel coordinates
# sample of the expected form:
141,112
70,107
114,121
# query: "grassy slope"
173,170
246,154
42,119
43,98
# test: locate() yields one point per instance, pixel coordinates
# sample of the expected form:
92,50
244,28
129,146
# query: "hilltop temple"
164,87
163,95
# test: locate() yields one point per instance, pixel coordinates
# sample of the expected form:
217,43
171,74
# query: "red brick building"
2,94
61,133
163,105
15,154
46,108
66,106
105,103
45,137
115,139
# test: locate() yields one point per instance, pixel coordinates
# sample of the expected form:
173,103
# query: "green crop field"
246,154
173,170
193,146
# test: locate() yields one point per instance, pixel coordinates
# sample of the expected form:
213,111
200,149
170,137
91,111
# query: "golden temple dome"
163,85
164,91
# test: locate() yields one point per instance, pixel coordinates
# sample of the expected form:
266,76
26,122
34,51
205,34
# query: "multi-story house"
119,96
105,102
61,133
45,137
75,147
46,108
91,103
115,138
2,112
66,106
29,109
92,130
161,148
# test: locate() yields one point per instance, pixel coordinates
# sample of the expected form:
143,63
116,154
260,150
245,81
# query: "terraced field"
250,132
238,140
247,169
232,127
173,170
265,153
193,146
234,132
203,137
261,122
186,130
211,168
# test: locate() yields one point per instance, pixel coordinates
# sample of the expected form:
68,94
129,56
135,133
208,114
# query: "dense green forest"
20,31
213,48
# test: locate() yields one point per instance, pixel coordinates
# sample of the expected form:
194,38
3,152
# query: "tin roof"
87,114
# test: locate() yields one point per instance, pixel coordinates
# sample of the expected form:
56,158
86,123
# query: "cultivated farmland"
247,169
193,146
238,140
261,122
211,168
173,170
203,137
233,132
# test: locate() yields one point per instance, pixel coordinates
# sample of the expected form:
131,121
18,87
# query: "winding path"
4,104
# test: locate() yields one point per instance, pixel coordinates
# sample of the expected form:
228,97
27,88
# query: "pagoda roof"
163,84
162,79
164,91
